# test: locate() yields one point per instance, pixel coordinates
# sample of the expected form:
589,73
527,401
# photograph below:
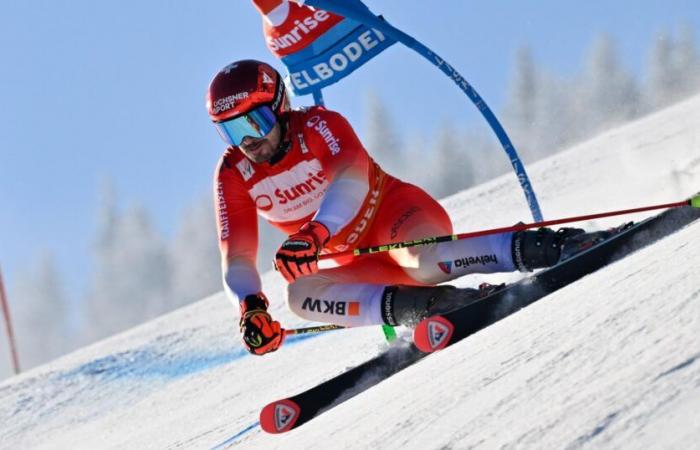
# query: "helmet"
243,86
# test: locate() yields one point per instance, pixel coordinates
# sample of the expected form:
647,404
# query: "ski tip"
432,334
280,416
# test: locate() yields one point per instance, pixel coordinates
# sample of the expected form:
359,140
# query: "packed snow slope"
612,360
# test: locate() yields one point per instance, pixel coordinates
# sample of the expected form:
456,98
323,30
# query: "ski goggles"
256,123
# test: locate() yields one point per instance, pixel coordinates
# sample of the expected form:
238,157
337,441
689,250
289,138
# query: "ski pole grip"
695,201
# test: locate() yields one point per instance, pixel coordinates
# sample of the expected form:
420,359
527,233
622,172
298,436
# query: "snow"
612,360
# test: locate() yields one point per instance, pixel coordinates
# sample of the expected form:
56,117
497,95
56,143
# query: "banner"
318,48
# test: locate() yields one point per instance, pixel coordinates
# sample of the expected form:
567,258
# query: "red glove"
298,255
260,333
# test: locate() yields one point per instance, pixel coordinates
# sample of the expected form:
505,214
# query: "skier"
306,172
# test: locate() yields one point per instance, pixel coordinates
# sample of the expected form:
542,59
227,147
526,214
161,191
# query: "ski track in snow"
610,361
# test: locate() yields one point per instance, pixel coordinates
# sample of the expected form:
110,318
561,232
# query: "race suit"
327,175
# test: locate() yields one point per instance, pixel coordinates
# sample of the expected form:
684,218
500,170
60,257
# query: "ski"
284,415
438,332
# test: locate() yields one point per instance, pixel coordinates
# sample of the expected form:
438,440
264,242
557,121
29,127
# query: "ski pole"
308,330
693,201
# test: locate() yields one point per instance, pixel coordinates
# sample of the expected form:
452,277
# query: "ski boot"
534,249
408,305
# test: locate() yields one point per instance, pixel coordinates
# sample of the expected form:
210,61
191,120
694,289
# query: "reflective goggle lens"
256,123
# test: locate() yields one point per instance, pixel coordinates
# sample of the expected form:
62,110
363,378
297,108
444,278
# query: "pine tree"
194,255
131,281
685,62
521,107
661,89
41,313
607,94
381,140
454,170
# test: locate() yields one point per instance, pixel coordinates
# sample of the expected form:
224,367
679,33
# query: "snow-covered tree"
454,170
194,255
381,139
41,312
607,94
661,88
131,279
539,109
685,62
521,107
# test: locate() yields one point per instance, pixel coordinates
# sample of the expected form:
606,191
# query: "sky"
95,91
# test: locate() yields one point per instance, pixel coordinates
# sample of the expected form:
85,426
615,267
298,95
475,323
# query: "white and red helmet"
246,97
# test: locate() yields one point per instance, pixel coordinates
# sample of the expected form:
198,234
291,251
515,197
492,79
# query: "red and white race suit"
328,176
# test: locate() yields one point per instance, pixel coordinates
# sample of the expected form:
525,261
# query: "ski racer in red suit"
307,173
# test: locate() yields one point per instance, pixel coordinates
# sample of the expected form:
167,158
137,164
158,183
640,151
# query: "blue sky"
96,90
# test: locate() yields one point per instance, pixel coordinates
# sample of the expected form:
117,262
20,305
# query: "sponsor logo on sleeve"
224,229
321,126
302,143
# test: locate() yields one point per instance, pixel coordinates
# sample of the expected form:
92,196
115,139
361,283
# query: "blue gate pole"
318,98
358,11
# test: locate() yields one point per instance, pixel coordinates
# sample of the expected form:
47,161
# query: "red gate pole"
8,327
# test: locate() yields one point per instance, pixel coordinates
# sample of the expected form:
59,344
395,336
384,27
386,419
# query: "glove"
260,333
298,255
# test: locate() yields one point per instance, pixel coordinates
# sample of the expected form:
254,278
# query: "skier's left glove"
298,255
260,333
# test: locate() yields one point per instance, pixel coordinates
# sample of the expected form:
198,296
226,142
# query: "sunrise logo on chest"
291,195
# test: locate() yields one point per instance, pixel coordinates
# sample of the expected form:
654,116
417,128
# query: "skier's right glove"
298,255
260,333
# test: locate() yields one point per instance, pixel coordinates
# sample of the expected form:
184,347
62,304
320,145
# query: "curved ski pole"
693,202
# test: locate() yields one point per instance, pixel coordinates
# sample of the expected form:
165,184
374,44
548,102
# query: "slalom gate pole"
309,330
694,202
8,327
